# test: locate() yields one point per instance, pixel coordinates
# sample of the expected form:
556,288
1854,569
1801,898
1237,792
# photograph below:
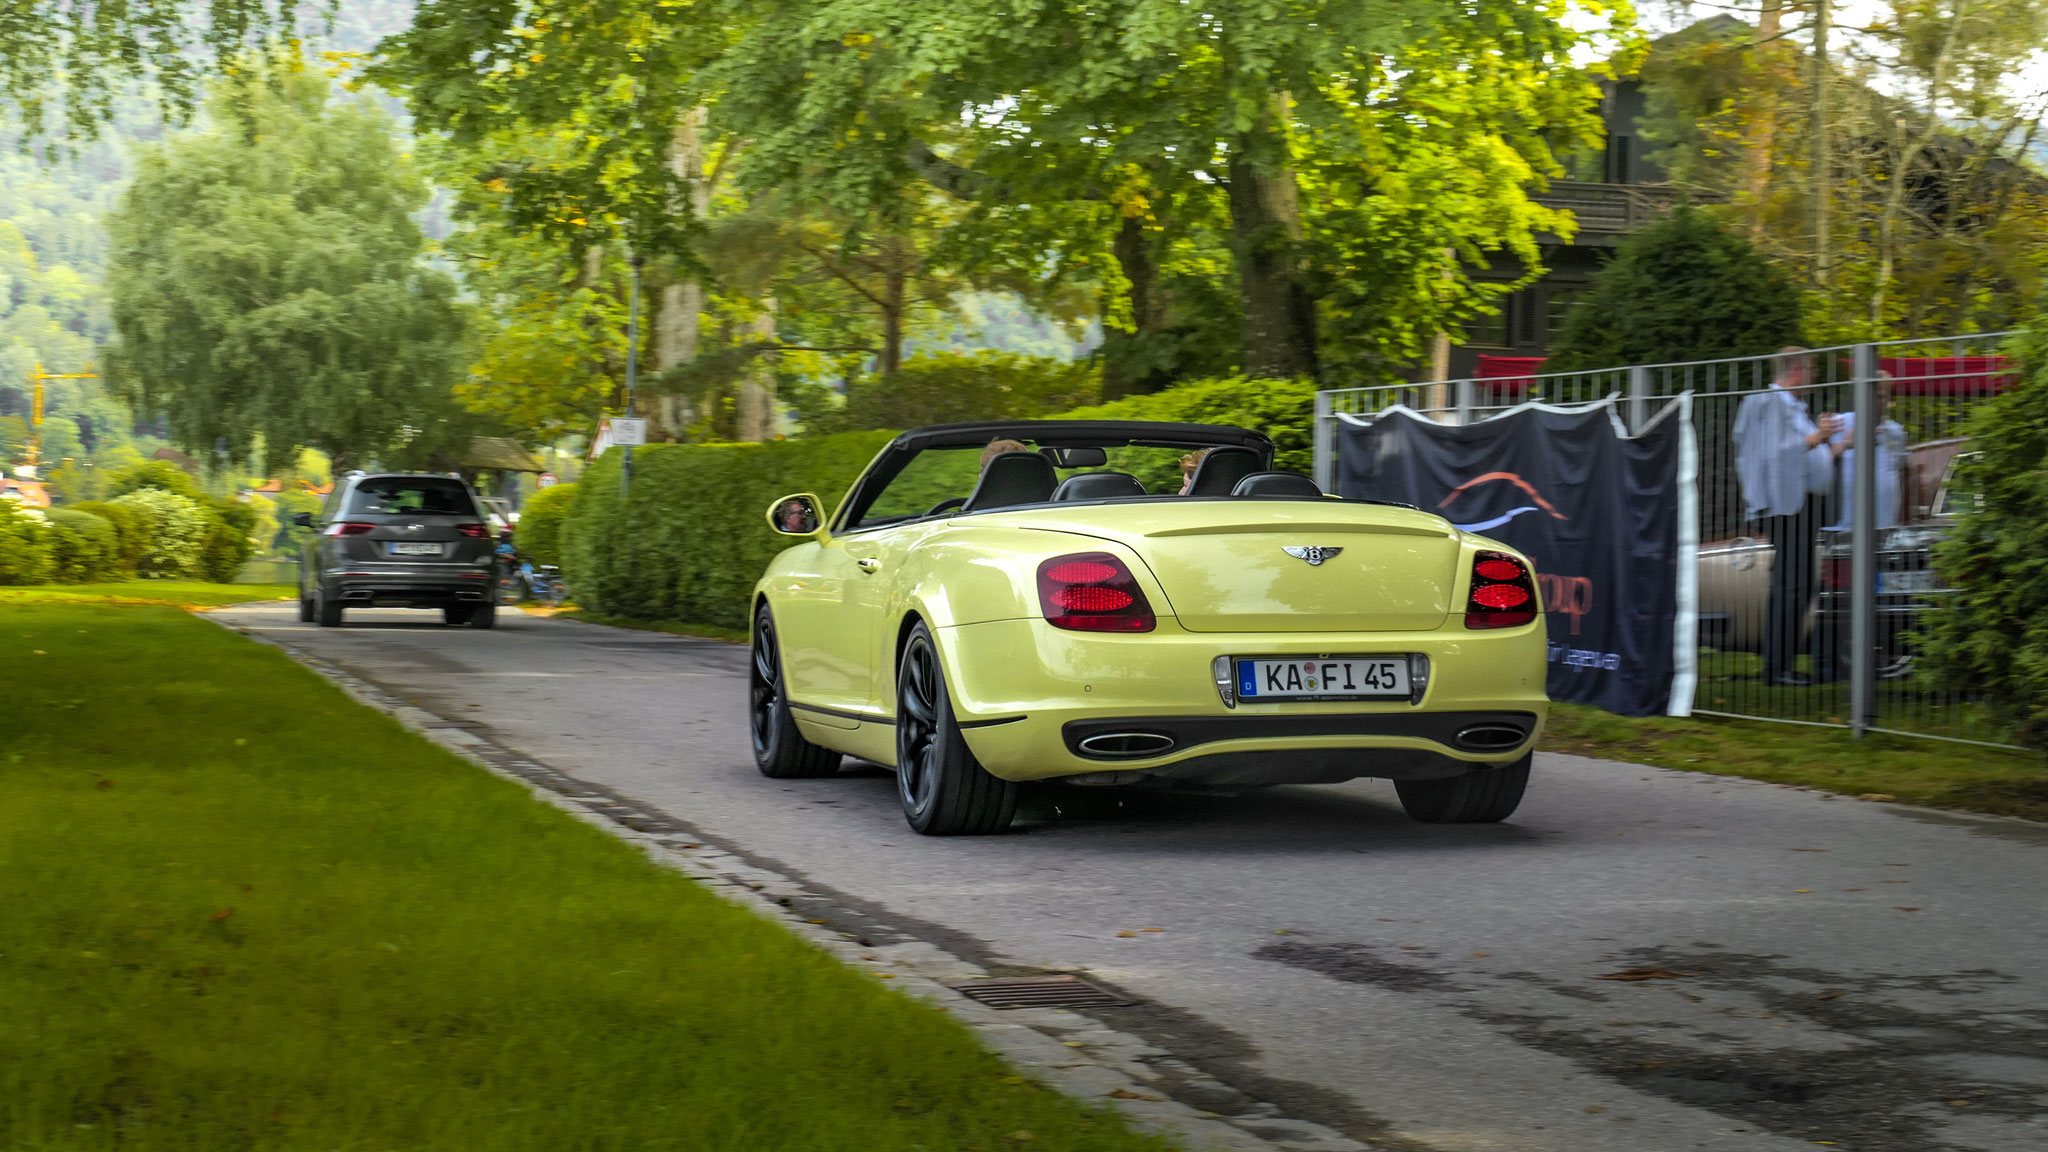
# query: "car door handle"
870,565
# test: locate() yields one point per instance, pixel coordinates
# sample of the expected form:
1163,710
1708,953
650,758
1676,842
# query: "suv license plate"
410,549
1322,678
1910,581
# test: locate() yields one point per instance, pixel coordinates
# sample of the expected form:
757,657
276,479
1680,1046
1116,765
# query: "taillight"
349,528
1837,572
471,530
1503,595
1092,592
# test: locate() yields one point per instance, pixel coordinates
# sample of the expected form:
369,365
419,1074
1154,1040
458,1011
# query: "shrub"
161,475
27,545
131,531
1993,641
227,544
690,541
85,547
956,387
540,523
178,528
1685,288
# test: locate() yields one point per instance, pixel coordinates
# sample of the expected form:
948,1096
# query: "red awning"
1948,375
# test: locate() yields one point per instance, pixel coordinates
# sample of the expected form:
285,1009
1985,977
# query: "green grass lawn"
1941,774
182,593
243,912
673,627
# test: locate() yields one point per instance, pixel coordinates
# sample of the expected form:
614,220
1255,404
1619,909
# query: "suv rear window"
399,495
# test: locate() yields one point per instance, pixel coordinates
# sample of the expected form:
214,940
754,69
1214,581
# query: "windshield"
399,495
937,477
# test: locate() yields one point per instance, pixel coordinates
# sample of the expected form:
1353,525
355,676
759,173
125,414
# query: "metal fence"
1851,656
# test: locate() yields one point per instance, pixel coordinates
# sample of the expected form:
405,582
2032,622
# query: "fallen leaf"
104,784
814,921
1633,974
1693,998
1482,954
1876,797
219,916
1020,1135
1595,1108
1122,933
1151,929
1835,995
1807,891
1015,1080
1071,1043
1959,1103
1905,908
885,975
1125,1094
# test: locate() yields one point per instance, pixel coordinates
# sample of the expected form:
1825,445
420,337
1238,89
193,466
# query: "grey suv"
399,540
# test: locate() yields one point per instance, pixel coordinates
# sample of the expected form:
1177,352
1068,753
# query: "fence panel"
1827,655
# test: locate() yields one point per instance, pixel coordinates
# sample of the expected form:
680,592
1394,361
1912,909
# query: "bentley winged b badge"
1313,554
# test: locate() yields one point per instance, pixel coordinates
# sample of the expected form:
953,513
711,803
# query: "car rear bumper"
1036,702
371,585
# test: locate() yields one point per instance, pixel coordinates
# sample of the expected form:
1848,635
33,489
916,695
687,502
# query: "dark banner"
1599,512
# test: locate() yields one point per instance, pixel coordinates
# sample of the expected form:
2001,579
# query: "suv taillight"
1503,595
349,528
1092,592
471,530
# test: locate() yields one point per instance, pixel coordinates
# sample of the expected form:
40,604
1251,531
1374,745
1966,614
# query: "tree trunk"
676,336
757,388
1278,334
894,302
1761,134
1131,360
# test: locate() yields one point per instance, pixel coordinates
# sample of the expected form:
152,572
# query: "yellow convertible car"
995,604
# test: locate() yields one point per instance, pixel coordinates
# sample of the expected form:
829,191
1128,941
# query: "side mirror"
798,515
303,519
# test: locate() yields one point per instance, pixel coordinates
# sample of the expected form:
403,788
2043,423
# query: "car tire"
1485,795
305,609
945,791
470,615
780,750
326,613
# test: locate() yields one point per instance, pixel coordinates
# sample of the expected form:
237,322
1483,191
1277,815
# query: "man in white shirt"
1783,463
1891,453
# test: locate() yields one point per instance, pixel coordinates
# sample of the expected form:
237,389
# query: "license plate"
406,548
1323,678
1920,581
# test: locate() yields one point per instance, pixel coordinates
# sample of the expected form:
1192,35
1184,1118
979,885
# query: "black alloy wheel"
944,789
1485,795
780,751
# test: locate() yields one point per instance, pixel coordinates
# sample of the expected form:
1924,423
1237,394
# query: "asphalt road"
1856,973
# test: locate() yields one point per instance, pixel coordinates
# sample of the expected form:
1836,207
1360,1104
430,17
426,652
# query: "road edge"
1068,1051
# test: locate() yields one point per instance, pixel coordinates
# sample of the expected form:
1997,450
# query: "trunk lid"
1225,566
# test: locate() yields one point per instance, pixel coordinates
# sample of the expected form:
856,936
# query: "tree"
1685,288
267,285
89,52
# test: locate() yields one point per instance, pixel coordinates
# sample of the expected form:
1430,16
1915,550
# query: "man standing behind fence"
1782,460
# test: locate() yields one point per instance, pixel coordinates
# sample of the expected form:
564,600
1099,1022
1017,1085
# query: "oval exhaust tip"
1491,737
1125,745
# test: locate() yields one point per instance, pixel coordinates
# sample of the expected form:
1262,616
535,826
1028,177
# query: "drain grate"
1037,992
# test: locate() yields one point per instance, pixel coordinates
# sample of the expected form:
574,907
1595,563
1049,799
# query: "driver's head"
998,447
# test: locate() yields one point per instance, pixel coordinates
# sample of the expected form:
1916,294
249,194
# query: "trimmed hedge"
178,530
539,537
691,540
131,531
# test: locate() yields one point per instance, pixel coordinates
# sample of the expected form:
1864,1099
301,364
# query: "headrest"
1013,478
1278,484
1099,486
1221,469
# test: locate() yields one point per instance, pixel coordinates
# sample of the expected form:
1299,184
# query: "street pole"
632,366
1863,637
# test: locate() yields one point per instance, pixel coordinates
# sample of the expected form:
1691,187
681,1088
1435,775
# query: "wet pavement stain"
1880,1062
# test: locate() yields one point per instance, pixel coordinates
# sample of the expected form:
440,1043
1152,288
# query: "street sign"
548,480
629,431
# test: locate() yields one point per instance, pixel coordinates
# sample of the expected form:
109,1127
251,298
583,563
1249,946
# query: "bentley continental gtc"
1138,604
